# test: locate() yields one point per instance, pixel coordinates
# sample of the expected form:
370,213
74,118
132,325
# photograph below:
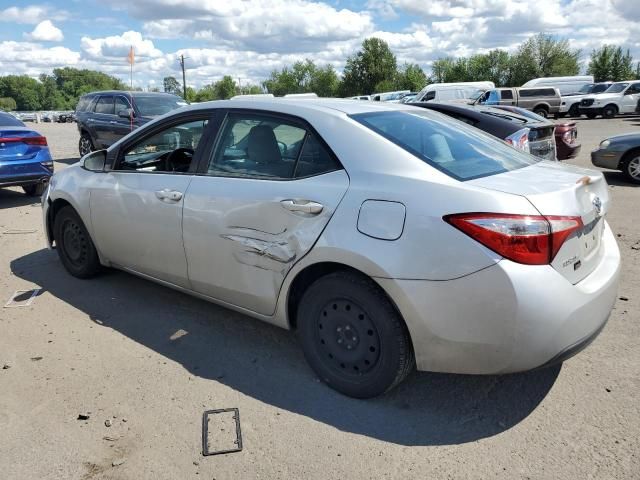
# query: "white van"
566,85
453,91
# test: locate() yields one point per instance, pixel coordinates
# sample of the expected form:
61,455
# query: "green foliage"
26,91
303,77
611,63
7,104
411,77
225,88
369,67
171,85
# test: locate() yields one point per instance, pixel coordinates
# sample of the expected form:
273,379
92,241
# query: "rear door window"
459,151
105,105
506,94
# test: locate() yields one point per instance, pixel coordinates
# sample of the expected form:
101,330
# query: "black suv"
105,117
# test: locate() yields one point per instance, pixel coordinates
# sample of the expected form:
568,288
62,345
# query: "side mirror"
94,161
126,113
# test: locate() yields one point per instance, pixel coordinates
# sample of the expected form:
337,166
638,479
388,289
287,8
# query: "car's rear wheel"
631,166
609,111
75,248
352,336
85,145
542,111
34,190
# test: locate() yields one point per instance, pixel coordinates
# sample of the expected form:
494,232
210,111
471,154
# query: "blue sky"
249,38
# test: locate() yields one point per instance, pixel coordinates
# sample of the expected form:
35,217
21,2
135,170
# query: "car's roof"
337,105
134,93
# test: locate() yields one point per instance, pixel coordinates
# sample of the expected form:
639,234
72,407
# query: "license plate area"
591,237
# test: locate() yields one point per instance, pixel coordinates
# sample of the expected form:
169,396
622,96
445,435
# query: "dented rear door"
242,235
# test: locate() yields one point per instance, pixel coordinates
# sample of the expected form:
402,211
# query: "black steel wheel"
352,336
35,189
609,111
74,245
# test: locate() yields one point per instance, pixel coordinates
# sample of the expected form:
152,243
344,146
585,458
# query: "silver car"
386,235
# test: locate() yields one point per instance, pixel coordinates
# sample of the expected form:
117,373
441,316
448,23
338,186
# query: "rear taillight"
519,139
569,137
528,239
39,140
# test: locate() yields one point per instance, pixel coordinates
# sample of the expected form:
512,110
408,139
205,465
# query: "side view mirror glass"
126,113
94,161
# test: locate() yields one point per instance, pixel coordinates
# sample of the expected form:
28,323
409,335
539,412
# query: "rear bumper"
566,151
606,159
23,180
508,317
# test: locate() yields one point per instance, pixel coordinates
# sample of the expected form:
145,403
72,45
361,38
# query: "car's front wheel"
591,115
631,166
34,190
609,111
352,336
75,248
85,145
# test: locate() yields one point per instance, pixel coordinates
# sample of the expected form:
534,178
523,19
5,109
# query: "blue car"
25,159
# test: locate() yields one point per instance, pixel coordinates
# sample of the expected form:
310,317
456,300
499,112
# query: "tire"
631,166
75,248
609,111
591,115
542,111
352,336
34,190
85,145
574,111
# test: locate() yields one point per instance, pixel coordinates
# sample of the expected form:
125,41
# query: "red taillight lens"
528,239
39,140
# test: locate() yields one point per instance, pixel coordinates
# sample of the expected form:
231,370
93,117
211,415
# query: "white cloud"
33,59
31,14
117,47
46,31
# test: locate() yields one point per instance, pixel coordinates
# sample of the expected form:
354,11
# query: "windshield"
7,120
460,151
617,88
154,106
586,88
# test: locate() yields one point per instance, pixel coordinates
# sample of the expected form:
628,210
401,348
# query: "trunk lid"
11,148
563,190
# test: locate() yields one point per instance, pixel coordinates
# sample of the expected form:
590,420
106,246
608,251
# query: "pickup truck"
543,101
620,97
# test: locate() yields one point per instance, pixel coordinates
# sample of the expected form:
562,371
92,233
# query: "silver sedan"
387,236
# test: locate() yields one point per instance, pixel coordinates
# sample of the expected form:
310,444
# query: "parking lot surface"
108,378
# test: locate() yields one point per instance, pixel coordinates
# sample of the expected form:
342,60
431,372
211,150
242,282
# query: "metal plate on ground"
221,431
22,298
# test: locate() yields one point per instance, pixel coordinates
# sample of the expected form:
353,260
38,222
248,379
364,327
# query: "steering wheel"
187,154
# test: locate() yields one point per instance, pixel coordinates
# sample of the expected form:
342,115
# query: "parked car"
452,91
566,134
360,97
565,85
66,117
105,117
356,224
532,135
25,159
389,96
570,103
409,97
621,152
620,97
543,101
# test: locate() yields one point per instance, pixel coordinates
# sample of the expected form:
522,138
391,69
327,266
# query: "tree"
611,63
225,88
26,91
324,81
543,56
7,104
367,68
171,85
411,77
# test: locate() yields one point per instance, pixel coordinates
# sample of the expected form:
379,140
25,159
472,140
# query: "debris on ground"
107,423
110,439
221,431
17,231
82,416
6,366
118,461
36,359
22,298
624,299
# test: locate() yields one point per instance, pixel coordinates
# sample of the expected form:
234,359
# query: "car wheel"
75,248
34,190
591,115
541,111
574,111
609,111
352,336
631,167
85,145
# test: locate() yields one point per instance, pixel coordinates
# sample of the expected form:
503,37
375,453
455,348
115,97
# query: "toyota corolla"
387,236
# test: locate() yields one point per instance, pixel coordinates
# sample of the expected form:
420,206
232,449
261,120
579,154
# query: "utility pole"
184,81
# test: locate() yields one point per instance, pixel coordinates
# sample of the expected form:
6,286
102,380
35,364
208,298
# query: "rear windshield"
154,106
460,151
7,120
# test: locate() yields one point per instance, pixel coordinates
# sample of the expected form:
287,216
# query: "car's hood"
626,137
603,96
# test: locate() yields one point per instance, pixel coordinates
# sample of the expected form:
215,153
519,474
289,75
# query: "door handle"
167,194
304,206
113,121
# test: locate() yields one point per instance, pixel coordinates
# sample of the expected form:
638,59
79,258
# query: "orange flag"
131,57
